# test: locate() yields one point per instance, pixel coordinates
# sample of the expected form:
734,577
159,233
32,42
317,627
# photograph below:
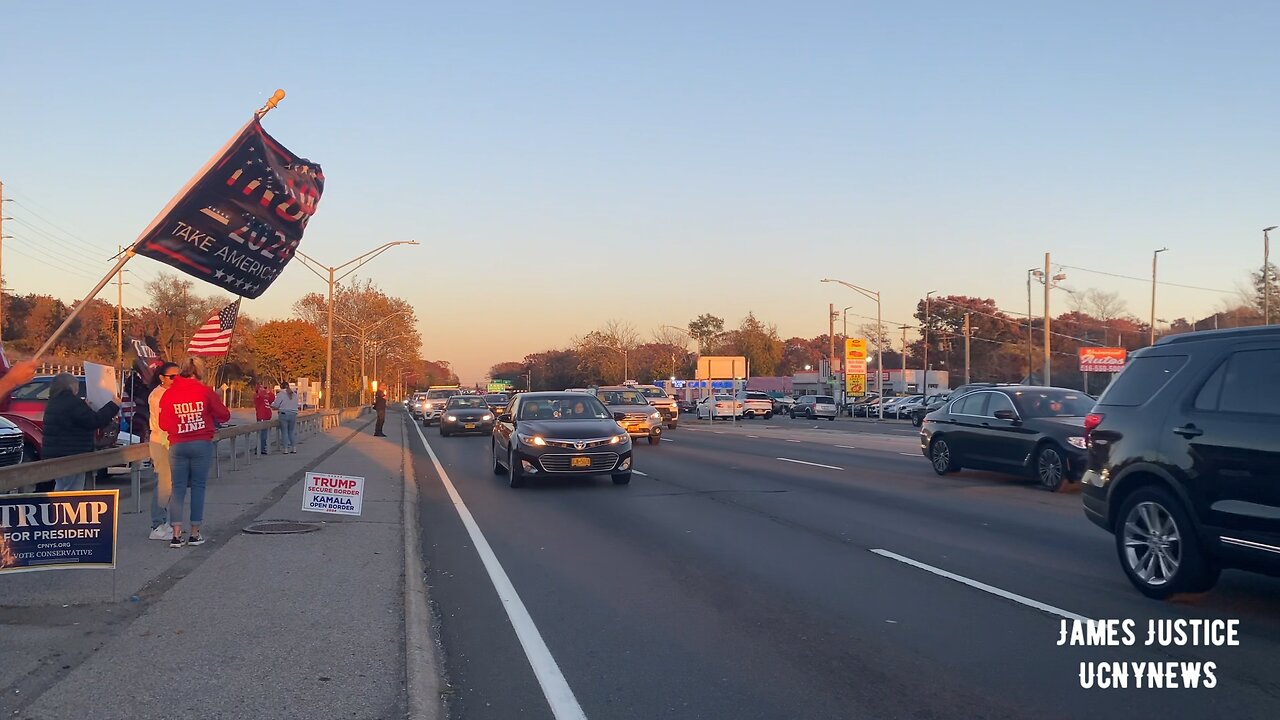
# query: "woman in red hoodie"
189,411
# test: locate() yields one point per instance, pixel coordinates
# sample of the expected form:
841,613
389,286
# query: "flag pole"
128,254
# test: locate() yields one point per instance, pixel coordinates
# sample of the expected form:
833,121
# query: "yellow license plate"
469,426
580,462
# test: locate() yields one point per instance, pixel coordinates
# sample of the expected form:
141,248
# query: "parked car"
781,402
718,407
1037,432
1184,459
543,434
755,404
933,402
814,407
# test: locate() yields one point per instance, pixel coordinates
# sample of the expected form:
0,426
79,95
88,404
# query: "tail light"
1091,421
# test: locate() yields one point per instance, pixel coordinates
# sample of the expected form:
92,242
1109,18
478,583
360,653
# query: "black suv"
1184,459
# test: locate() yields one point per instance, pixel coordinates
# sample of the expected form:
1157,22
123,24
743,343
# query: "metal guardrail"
23,475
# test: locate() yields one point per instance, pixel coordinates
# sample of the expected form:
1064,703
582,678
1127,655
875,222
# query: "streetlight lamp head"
1060,276
1273,227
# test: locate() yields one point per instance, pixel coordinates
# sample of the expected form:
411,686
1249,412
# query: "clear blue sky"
568,163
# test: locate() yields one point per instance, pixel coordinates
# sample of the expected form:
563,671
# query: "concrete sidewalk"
247,625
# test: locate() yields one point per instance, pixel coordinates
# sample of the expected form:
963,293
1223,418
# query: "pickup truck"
666,404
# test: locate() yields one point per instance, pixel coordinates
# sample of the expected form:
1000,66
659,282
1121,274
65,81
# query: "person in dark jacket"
70,425
380,407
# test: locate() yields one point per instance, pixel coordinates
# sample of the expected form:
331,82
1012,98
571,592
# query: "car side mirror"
505,417
1006,415
619,416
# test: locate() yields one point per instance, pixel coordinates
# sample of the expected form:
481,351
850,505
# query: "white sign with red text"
333,494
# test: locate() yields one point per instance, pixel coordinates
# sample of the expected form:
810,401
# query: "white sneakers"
164,532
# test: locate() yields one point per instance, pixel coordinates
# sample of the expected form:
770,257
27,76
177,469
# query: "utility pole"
966,348
1154,256
904,329
120,323
831,336
1266,276
1047,338
1037,272
925,330
2,236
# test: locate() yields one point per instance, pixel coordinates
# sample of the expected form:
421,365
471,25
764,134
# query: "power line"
1144,280
77,263
1007,317
43,261
64,231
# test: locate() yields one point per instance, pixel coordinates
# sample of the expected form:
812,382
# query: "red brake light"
1091,421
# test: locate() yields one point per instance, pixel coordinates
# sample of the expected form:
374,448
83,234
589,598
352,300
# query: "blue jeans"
189,462
262,441
288,430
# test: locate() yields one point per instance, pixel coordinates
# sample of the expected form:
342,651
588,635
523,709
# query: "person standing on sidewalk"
287,403
380,407
159,441
70,425
189,411
262,411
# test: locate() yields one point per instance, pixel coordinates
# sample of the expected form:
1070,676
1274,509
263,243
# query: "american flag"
214,337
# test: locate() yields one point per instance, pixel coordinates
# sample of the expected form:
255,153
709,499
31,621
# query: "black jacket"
380,403
70,424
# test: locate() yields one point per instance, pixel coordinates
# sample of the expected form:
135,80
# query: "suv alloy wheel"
1158,546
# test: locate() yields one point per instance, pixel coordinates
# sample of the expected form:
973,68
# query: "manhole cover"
281,527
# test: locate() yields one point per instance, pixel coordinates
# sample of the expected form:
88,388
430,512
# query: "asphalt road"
734,581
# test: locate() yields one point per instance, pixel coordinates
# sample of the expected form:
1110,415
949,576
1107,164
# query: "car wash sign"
50,531
333,494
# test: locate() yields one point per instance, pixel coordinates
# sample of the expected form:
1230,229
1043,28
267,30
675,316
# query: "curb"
422,674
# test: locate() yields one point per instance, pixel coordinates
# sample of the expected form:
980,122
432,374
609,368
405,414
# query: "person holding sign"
70,425
189,410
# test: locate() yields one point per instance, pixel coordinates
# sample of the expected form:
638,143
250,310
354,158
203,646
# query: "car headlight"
530,439
486,416
656,415
618,438
1078,442
451,418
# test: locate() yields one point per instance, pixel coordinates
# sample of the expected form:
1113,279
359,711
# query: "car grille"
600,462
10,450
636,417
587,444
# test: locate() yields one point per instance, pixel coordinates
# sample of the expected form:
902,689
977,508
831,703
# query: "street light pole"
1266,275
1154,256
332,280
1039,274
874,295
925,331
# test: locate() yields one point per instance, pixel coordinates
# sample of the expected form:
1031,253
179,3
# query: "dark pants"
382,418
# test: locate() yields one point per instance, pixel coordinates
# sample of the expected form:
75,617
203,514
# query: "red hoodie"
188,410
262,404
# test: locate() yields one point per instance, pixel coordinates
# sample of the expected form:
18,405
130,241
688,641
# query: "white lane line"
753,436
564,706
915,454
789,440
847,447
667,440
982,586
637,472
802,462
719,432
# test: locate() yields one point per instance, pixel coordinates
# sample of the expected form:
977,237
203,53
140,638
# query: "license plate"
580,462
469,426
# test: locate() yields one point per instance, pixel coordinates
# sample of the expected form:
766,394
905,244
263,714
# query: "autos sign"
1102,359
48,531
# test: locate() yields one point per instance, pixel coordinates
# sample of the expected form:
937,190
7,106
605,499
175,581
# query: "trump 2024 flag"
237,223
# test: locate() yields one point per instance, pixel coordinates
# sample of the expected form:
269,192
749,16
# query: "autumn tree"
706,328
288,349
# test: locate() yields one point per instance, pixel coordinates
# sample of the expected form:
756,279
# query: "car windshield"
467,401
622,397
563,407
757,396
440,394
652,392
496,399
1052,403
38,389
824,400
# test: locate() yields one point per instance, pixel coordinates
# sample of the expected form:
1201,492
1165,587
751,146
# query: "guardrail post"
233,452
217,460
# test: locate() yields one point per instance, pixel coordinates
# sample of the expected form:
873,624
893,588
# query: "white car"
725,406
755,404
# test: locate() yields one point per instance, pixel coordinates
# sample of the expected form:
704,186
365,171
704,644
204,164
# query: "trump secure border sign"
334,494
50,531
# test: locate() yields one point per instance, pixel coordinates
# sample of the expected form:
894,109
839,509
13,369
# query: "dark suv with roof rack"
1184,459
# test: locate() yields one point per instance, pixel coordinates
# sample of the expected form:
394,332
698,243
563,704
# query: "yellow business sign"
855,384
855,366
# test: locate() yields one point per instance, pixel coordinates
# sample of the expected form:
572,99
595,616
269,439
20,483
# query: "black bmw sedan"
559,433
1036,432
466,414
